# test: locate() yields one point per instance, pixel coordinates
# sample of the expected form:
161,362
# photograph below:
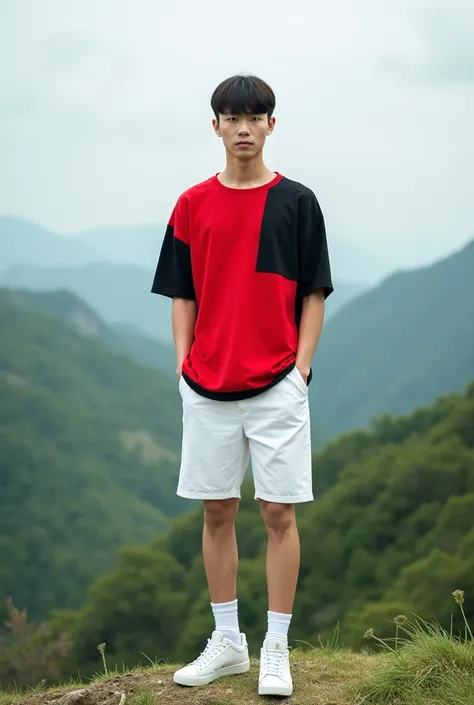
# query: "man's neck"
240,174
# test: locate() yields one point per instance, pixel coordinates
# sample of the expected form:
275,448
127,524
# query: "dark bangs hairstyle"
243,95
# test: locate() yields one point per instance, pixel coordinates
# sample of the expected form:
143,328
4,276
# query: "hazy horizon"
105,117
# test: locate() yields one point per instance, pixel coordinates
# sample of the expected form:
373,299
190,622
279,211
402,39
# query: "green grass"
432,669
146,697
7,698
428,666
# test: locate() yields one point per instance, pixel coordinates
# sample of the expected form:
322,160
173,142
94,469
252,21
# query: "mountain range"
397,346
24,242
387,348
110,269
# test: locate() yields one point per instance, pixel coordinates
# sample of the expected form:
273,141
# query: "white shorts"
271,429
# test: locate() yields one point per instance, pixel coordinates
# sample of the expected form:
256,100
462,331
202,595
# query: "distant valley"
110,269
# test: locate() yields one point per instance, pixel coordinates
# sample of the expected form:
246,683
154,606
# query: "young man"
245,261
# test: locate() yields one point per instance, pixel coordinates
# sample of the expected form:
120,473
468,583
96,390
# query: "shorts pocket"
299,380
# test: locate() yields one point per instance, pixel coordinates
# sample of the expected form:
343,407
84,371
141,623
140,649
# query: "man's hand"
184,314
311,323
303,370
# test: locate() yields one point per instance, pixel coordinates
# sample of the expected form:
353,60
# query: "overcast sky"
105,118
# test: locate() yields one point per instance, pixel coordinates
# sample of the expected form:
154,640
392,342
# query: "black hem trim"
327,288
173,294
244,394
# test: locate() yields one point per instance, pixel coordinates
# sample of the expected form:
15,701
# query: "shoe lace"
209,653
273,661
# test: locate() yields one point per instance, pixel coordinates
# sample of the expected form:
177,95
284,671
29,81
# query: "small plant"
332,644
400,620
101,650
459,599
369,635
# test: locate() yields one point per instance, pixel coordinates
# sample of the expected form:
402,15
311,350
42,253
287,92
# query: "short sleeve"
314,271
173,276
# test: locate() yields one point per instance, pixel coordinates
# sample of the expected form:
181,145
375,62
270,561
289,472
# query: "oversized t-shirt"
248,257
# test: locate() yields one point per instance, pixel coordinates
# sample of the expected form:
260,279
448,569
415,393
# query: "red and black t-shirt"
248,257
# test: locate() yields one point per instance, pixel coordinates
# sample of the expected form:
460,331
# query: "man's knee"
278,517
220,512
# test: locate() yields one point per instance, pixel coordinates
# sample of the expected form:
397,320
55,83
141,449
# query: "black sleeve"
314,271
173,276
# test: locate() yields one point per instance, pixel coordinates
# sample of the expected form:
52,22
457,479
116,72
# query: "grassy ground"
432,671
423,665
320,678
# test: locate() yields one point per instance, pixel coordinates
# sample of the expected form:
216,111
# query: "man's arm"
311,324
314,278
174,278
184,312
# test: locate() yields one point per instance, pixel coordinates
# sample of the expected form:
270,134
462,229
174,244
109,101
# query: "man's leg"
219,550
278,429
213,461
283,556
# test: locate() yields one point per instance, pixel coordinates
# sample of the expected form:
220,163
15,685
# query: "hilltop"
322,678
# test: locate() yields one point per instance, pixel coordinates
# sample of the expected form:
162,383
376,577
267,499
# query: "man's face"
244,135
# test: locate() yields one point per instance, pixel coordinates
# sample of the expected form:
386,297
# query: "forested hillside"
124,338
89,450
120,293
398,346
392,533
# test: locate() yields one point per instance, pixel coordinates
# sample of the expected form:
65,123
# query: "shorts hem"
189,494
285,499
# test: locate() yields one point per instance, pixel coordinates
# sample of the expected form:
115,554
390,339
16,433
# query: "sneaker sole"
283,692
204,680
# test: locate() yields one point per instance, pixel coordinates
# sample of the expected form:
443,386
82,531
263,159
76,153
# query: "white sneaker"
275,677
221,657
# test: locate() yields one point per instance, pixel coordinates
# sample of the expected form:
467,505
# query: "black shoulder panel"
278,246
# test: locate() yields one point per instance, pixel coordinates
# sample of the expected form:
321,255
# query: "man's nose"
244,128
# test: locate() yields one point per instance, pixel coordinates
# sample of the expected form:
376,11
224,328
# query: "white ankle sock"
278,625
227,619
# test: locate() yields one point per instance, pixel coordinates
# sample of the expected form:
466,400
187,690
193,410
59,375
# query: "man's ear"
215,125
271,125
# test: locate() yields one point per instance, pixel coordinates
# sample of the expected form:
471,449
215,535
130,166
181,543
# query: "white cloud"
105,117
444,52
